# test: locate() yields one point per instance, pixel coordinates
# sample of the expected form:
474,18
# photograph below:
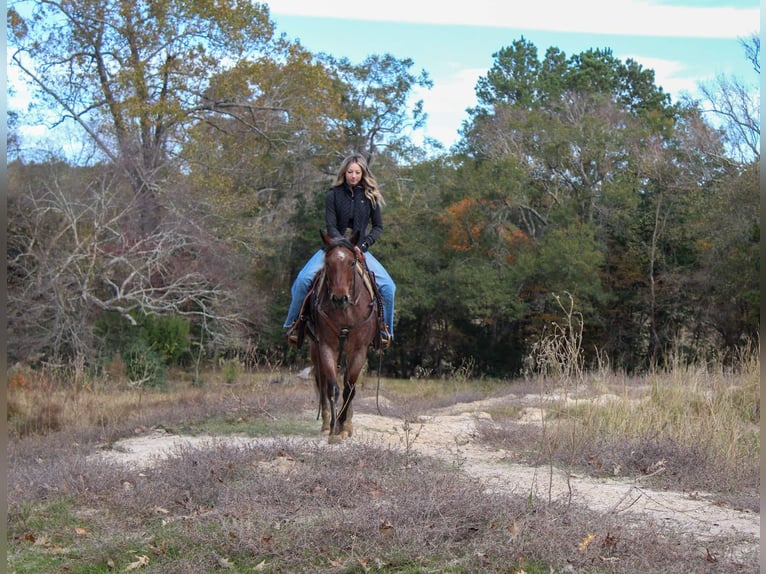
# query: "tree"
134,74
610,170
72,258
377,114
513,78
726,285
253,170
736,105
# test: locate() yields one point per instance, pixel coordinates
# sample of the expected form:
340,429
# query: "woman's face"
353,174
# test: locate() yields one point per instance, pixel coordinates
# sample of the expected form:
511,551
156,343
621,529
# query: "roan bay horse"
344,324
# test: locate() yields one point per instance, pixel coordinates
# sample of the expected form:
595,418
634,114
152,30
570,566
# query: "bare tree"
72,258
737,105
133,75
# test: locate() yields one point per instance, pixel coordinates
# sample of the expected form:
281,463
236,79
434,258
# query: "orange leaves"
464,224
471,220
583,546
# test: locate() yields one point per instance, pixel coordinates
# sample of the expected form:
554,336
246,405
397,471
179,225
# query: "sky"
685,42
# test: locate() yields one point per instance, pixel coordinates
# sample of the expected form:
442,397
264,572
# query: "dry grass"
287,505
683,427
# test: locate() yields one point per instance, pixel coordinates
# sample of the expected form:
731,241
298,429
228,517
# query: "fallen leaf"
162,548
386,528
142,561
586,542
514,528
223,562
81,531
609,540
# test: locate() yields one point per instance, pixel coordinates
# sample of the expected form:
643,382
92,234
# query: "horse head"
340,269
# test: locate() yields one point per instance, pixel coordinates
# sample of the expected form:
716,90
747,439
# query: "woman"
353,203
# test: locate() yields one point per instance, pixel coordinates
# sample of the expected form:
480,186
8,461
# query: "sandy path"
451,435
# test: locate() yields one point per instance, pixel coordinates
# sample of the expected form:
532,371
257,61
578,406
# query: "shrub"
168,336
165,337
144,365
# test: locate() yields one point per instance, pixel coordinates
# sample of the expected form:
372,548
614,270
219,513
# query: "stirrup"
384,337
294,333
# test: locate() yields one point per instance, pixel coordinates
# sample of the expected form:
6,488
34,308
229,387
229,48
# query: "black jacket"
351,209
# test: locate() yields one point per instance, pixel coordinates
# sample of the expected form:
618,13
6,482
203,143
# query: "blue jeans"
305,278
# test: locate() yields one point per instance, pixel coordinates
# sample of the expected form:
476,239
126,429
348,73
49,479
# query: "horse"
343,325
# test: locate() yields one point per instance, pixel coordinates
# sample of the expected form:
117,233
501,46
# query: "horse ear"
326,239
355,237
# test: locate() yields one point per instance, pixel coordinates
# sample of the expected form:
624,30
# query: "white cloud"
623,17
671,75
446,103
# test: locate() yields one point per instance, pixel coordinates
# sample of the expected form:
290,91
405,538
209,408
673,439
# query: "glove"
359,252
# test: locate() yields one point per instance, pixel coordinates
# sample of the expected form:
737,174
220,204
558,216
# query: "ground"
451,434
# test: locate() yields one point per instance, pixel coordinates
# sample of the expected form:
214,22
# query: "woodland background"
578,194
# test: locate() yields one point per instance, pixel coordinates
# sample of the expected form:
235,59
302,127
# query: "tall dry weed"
702,415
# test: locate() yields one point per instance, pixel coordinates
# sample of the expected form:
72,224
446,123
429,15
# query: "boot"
384,336
295,332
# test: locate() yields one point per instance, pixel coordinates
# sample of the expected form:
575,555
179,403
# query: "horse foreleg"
347,411
322,391
325,411
353,369
332,392
324,406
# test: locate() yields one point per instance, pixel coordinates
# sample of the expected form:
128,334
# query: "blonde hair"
369,182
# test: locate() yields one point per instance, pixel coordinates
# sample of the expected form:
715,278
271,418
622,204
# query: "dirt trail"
451,434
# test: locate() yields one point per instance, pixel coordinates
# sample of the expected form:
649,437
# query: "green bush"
167,337
230,371
144,364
